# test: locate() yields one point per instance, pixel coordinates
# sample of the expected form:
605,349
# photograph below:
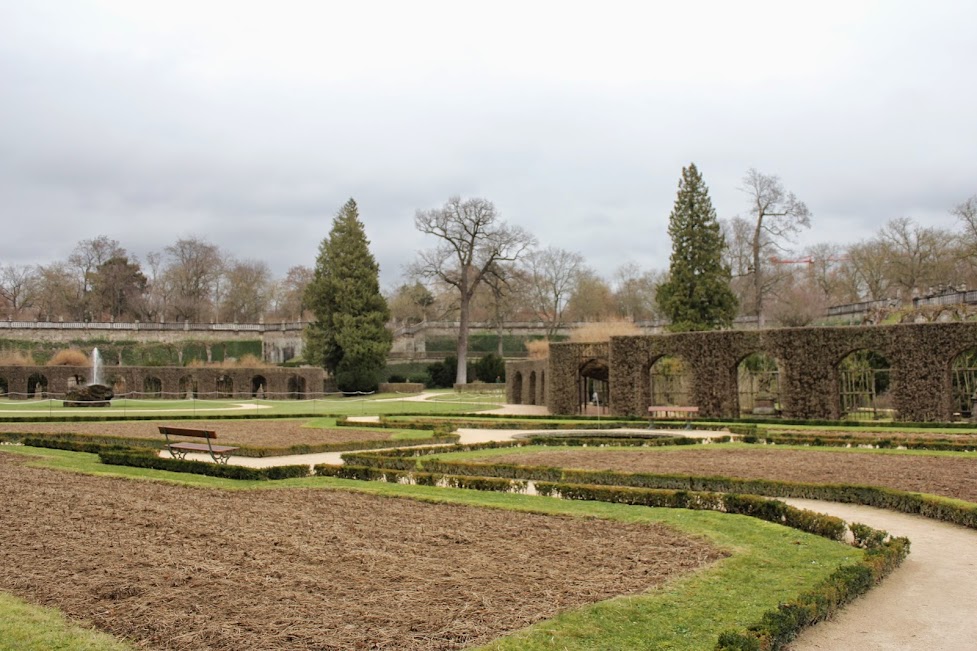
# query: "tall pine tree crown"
697,295
349,337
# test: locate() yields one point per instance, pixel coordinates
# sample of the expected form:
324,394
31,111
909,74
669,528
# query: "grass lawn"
353,406
26,627
769,564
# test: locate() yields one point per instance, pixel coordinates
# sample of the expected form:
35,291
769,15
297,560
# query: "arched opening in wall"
669,382
758,385
963,391
4,387
532,388
517,388
296,387
188,387
76,381
863,386
37,386
258,384
119,386
152,387
593,388
542,387
225,387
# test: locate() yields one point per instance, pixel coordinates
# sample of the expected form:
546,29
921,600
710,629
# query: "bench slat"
200,447
186,431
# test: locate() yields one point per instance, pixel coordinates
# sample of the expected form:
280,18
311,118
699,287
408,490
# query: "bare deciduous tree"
247,293
865,273
472,239
916,256
776,216
553,275
17,286
966,212
290,292
85,259
592,299
57,292
635,292
193,266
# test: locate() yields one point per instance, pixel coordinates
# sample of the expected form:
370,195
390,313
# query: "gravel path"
925,605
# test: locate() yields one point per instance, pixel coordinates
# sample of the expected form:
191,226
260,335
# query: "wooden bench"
663,412
179,449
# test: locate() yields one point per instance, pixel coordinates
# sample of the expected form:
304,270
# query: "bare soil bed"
940,475
259,433
174,567
920,435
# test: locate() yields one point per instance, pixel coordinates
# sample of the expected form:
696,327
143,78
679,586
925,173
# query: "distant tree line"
507,277
191,279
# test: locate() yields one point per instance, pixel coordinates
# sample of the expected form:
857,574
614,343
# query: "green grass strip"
26,627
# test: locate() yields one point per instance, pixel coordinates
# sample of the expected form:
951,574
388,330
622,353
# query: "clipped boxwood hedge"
145,459
931,506
847,440
779,627
87,443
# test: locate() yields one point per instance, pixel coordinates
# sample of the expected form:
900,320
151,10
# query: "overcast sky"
250,123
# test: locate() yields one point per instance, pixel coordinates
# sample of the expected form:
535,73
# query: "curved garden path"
927,604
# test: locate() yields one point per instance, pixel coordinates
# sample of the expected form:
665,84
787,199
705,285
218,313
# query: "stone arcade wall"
525,382
275,382
920,358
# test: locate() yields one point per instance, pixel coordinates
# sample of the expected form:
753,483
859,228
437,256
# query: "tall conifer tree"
697,295
349,337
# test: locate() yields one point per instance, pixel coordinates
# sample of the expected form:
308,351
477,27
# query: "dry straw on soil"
309,569
940,475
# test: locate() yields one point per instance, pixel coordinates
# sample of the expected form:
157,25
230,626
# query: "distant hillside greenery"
135,353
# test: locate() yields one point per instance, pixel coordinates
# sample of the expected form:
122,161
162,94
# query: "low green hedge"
756,507
779,627
931,506
439,429
78,442
88,443
363,473
847,440
145,459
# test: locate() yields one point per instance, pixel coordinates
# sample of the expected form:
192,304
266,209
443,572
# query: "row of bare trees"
493,272
191,279
901,261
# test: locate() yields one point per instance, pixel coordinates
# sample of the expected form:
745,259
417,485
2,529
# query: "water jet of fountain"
96,367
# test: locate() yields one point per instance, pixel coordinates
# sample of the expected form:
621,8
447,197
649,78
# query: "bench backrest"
185,431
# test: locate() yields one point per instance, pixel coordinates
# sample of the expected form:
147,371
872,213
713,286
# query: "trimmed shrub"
490,368
147,459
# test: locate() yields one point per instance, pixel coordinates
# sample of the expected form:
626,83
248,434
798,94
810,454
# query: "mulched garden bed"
173,567
920,435
939,475
272,433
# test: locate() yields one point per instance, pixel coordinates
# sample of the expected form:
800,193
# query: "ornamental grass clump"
69,357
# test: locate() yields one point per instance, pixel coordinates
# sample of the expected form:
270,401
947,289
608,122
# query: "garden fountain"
95,394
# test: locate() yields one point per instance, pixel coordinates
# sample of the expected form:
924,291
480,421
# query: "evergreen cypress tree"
349,337
697,295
